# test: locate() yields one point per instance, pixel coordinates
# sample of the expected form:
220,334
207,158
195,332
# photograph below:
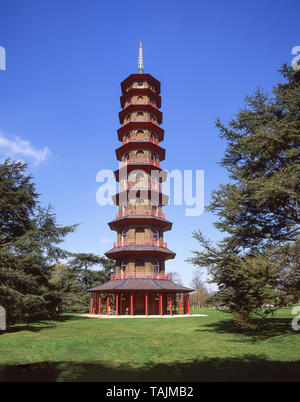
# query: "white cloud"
18,147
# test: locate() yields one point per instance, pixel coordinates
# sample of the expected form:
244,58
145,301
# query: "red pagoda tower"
139,284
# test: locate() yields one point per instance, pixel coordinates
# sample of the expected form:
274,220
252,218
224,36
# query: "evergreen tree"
257,263
251,286
72,292
85,267
260,204
84,270
29,239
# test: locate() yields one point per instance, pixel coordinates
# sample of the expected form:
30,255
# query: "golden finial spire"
141,63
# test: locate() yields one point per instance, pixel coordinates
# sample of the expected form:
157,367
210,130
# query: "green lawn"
188,349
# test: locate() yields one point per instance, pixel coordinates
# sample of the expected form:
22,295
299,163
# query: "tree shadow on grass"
246,368
40,325
269,328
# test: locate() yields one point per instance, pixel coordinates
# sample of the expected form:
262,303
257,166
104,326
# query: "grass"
189,349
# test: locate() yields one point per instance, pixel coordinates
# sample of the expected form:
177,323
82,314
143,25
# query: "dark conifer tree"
29,245
257,263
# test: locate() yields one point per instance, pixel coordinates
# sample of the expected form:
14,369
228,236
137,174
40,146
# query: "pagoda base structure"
140,296
140,285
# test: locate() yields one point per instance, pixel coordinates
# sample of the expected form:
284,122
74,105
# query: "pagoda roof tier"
143,167
143,250
140,92
147,284
141,125
137,107
140,219
140,144
140,77
134,193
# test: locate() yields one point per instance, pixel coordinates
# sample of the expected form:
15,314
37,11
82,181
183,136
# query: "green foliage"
18,201
260,204
29,238
72,294
72,281
33,285
250,286
257,262
83,265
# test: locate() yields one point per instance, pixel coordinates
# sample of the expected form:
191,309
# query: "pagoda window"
123,269
139,235
140,83
140,134
124,236
139,266
140,99
126,156
154,208
157,267
153,156
124,207
155,235
140,154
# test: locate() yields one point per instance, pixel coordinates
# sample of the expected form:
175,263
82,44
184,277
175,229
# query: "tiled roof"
139,284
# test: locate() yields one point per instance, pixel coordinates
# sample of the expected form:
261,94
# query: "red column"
161,304
107,304
99,304
146,303
184,304
171,312
180,303
131,303
188,304
175,302
117,303
91,303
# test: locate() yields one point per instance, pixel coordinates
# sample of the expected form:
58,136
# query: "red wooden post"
117,303
146,303
171,312
175,302
161,304
184,304
188,304
91,303
180,303
107,304
131,303
99,304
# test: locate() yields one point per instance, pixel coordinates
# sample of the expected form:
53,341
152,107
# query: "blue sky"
59,97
